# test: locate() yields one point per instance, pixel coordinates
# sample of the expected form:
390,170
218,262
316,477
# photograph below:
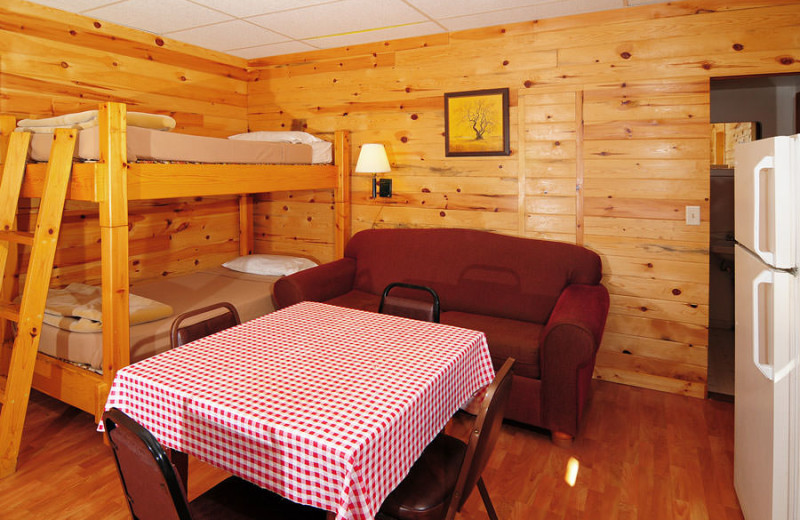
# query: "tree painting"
480,116
477,123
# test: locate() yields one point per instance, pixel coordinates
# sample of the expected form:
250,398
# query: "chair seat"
424,494
238,499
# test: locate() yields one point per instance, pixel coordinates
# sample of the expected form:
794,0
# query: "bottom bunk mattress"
251,294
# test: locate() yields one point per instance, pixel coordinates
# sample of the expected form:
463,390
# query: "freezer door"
765,197
765,369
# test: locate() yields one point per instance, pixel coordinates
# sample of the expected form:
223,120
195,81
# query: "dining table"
326,406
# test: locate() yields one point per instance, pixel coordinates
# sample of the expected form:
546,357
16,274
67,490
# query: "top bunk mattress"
145,144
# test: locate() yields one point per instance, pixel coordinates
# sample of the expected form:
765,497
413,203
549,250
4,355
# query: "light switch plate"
692,215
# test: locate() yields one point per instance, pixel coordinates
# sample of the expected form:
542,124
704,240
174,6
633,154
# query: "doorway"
772,103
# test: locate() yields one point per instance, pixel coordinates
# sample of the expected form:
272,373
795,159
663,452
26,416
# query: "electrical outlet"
692,215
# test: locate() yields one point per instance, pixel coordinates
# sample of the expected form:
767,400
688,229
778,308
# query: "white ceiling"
259,28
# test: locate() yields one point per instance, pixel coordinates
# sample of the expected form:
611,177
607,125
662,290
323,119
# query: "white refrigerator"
767,310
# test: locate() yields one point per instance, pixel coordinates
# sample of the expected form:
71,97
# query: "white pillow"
275,265
278,137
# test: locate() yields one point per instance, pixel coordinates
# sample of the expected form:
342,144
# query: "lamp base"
385,188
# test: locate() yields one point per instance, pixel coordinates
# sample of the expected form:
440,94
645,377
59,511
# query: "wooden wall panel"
624,94
610,142
632,205
548,157
298,223
53,62
167,237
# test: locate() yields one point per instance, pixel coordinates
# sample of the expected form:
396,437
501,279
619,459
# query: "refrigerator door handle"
766,369
766,162
785,371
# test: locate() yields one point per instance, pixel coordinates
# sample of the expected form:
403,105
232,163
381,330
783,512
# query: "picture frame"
476,123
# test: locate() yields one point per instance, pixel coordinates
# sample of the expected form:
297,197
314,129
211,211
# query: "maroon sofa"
540,302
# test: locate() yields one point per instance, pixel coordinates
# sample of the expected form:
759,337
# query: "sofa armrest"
317,284
584,306
568,345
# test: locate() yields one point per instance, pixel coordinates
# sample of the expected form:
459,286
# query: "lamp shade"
372,159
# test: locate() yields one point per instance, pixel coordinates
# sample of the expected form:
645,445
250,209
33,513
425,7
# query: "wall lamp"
372,159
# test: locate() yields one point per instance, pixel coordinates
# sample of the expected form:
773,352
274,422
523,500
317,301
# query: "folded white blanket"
79,308
90,118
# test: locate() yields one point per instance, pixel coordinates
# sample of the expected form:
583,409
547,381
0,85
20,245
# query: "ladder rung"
9,311
17,237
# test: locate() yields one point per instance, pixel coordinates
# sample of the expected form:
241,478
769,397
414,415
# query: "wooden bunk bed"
112,182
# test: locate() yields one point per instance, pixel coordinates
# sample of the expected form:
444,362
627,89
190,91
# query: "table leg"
181,462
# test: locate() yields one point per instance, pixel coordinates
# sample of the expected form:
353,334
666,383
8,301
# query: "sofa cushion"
506,338
473,271
357,300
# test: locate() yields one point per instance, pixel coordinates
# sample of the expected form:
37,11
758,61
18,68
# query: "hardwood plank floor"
642,454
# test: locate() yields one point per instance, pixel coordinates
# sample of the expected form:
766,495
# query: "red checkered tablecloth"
324,405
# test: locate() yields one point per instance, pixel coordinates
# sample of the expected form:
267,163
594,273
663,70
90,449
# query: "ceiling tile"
245,8
391,33
275,49
339,18
75,6
592,6
550,9
440,9
235,34
462,23
158,16
318,23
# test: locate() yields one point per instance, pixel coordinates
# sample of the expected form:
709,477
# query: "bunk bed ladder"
29,314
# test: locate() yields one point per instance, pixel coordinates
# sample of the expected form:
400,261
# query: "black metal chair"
155,492
180,334
448,470
410,307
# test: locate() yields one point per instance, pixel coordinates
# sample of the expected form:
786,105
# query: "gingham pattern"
324,405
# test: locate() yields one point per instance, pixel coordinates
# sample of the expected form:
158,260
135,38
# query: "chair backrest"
483,437
149,479
180,334
410,307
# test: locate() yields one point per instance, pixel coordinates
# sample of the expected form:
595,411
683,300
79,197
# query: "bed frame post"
341,194
7,125
113,199
10,283
246,238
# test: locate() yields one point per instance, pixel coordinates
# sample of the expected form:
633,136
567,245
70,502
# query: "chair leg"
486,500
181,462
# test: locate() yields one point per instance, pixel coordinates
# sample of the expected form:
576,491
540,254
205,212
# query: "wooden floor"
642,454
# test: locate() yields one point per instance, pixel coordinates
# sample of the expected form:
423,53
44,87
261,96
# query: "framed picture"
476,123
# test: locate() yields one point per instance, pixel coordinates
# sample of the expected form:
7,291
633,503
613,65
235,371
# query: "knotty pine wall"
609,130
609,136
52,62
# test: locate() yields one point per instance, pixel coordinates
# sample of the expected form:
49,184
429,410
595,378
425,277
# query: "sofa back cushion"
474,271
